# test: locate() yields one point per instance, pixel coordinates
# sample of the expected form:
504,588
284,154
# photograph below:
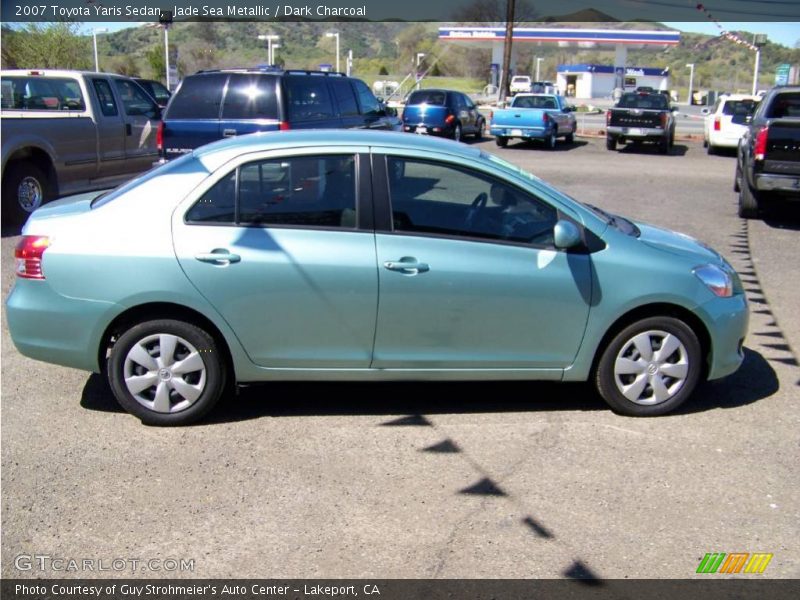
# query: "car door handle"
228,133
407,266
218,256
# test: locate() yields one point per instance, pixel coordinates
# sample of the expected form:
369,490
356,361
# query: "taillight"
491,116
450,119
608,117
760,148
717,123
160,136
663,120
284,126
28,255
545,118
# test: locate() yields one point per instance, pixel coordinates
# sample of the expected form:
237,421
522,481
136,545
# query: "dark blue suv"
211,105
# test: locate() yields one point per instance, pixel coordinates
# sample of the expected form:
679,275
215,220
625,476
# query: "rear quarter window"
199,97
307,98
251,97
784,105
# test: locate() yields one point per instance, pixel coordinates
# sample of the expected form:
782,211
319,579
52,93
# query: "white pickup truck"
69,131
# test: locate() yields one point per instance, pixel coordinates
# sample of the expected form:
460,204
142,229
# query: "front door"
469,277
141,115
275,247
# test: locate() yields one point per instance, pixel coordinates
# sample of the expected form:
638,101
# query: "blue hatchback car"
348,255
443,113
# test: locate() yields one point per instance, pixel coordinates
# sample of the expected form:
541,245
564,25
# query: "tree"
46,46
158,65
125,65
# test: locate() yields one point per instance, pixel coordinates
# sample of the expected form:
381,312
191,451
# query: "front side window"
369,103
300,191
345,97
436,198
135,100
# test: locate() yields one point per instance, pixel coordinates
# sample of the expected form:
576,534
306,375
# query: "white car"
726,121
520,84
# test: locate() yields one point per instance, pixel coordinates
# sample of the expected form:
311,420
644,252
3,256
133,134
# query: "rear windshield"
534,102
40,93
739,109
785,105
199,97
427,97
652,101
520,78
251,97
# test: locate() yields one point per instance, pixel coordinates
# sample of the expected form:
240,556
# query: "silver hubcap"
164,373
457,134
651,367
29,194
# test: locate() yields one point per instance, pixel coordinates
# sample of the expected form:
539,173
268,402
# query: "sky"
781,33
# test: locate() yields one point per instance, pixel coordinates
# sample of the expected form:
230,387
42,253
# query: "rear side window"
36,93
108,106
345,97
307,98
427,97
251,97
301,191
199,97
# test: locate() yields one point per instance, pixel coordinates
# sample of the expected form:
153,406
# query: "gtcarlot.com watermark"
47,562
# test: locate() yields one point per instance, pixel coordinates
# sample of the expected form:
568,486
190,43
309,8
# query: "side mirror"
748,118
566,235
704,111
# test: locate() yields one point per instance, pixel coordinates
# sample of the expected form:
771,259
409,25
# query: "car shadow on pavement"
782,214
754,381
676,150
561,145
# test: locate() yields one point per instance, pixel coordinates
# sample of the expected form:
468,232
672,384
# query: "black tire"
737,177
710,150
479,131
551,140
501,141
663,146
457,132
611,143
28,175
705,143
748,201
211,376
570,138
690,353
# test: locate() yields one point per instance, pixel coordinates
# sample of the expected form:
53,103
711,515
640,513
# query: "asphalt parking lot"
439,480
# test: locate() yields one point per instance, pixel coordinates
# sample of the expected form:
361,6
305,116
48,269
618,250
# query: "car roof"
739,97
56,73
218,153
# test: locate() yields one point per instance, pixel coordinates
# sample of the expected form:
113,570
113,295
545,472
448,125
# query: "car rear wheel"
551,140
479,131
737,178
570,137
650,368
457,132
501,141
611,143
748,201
25,188
166,372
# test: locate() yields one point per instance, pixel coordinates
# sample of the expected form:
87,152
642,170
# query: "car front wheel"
650,368
166,372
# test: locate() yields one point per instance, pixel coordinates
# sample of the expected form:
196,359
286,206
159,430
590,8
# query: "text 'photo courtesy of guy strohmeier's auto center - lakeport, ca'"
478,299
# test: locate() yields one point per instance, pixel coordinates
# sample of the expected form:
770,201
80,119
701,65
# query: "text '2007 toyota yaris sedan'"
347,255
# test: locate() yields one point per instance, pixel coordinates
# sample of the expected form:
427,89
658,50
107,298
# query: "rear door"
346,102
193,115
308,102
283,247
142,116
111,131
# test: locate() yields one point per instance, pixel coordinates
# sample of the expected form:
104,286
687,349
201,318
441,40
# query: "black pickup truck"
768,158
642,116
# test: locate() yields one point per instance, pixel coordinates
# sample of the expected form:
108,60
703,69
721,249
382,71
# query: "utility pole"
505,75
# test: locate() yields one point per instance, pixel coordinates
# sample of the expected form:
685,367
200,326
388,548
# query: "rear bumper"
428,129
52,328
636,133
535,132
769,182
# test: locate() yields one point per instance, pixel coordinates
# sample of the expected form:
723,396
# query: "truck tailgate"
518,117
621,117
782,155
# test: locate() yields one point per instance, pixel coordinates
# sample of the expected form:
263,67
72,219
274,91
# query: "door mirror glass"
566,235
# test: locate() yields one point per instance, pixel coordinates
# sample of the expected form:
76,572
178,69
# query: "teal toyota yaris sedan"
347,255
